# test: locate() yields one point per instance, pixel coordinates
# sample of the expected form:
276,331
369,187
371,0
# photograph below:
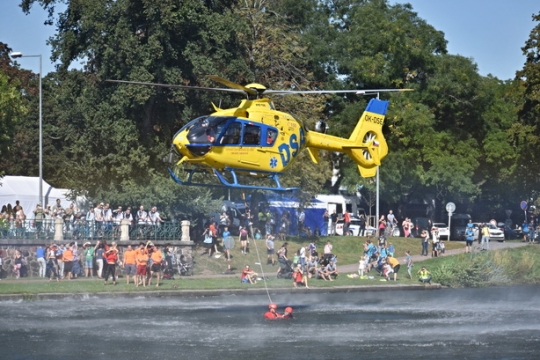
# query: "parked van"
459,226
340,203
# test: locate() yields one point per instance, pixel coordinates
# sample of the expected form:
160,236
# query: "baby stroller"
167,270
285,269
184,268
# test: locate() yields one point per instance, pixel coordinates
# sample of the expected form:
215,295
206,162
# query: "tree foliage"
459,136
526,134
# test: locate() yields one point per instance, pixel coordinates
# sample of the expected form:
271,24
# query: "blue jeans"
485,240
424,248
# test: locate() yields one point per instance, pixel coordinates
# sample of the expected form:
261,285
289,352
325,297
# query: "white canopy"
26,190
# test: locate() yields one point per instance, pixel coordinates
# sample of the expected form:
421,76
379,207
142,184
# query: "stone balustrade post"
185,230
124,229
58,229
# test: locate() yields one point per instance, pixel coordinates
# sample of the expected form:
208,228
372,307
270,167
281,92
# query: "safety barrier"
82,230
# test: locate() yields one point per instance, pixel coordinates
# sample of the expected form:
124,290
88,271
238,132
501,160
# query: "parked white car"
444,231
494,232
354,227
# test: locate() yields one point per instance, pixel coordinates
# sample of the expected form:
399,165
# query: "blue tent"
314,212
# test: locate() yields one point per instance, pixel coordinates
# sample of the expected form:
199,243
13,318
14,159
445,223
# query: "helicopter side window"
271,135
252,135
232,134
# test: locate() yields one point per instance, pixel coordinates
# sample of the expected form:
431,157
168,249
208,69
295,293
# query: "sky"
491,32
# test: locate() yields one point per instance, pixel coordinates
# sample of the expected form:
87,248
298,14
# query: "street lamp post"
20,55
376,224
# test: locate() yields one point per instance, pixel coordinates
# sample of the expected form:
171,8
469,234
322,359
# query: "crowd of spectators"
98,221
100,260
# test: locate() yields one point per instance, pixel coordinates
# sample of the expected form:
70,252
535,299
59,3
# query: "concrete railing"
58,229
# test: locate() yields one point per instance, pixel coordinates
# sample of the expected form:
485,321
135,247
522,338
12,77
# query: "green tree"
526,133
11,112
13,109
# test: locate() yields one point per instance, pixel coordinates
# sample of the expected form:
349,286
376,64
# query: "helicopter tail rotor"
368,135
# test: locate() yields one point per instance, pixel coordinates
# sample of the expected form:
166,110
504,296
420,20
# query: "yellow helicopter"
256,140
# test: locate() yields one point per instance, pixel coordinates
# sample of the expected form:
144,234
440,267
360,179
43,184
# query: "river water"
492,323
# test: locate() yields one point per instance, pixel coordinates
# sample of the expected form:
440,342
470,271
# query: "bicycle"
392,230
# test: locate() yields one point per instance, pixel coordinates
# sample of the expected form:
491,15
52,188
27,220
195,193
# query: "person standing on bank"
485,237
346,223
270,249
157,258
111,255
39,216
425,242
362,230
243,237
40,255
409,262
326,219
89,252
382,225
333,219
469,237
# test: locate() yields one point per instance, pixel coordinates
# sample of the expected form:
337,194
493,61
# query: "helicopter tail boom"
366,145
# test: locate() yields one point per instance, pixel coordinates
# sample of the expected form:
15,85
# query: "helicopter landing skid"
227,184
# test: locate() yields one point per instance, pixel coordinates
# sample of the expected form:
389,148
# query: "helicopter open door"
239,144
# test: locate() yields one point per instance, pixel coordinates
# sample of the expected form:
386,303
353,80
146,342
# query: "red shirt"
111,256
212,228
244,274
271,316
346,217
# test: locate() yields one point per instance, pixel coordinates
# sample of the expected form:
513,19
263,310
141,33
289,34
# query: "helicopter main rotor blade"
359,92
177,86
231,84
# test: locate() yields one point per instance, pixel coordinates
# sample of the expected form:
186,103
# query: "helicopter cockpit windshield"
206,130
203,132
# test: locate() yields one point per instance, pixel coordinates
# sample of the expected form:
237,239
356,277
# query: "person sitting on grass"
329,271
299,278
424,276
381,261
372,261
311,266
248,276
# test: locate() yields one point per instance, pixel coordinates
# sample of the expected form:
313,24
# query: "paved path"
353,268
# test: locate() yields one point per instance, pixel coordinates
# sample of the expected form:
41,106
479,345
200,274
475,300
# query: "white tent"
26,190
